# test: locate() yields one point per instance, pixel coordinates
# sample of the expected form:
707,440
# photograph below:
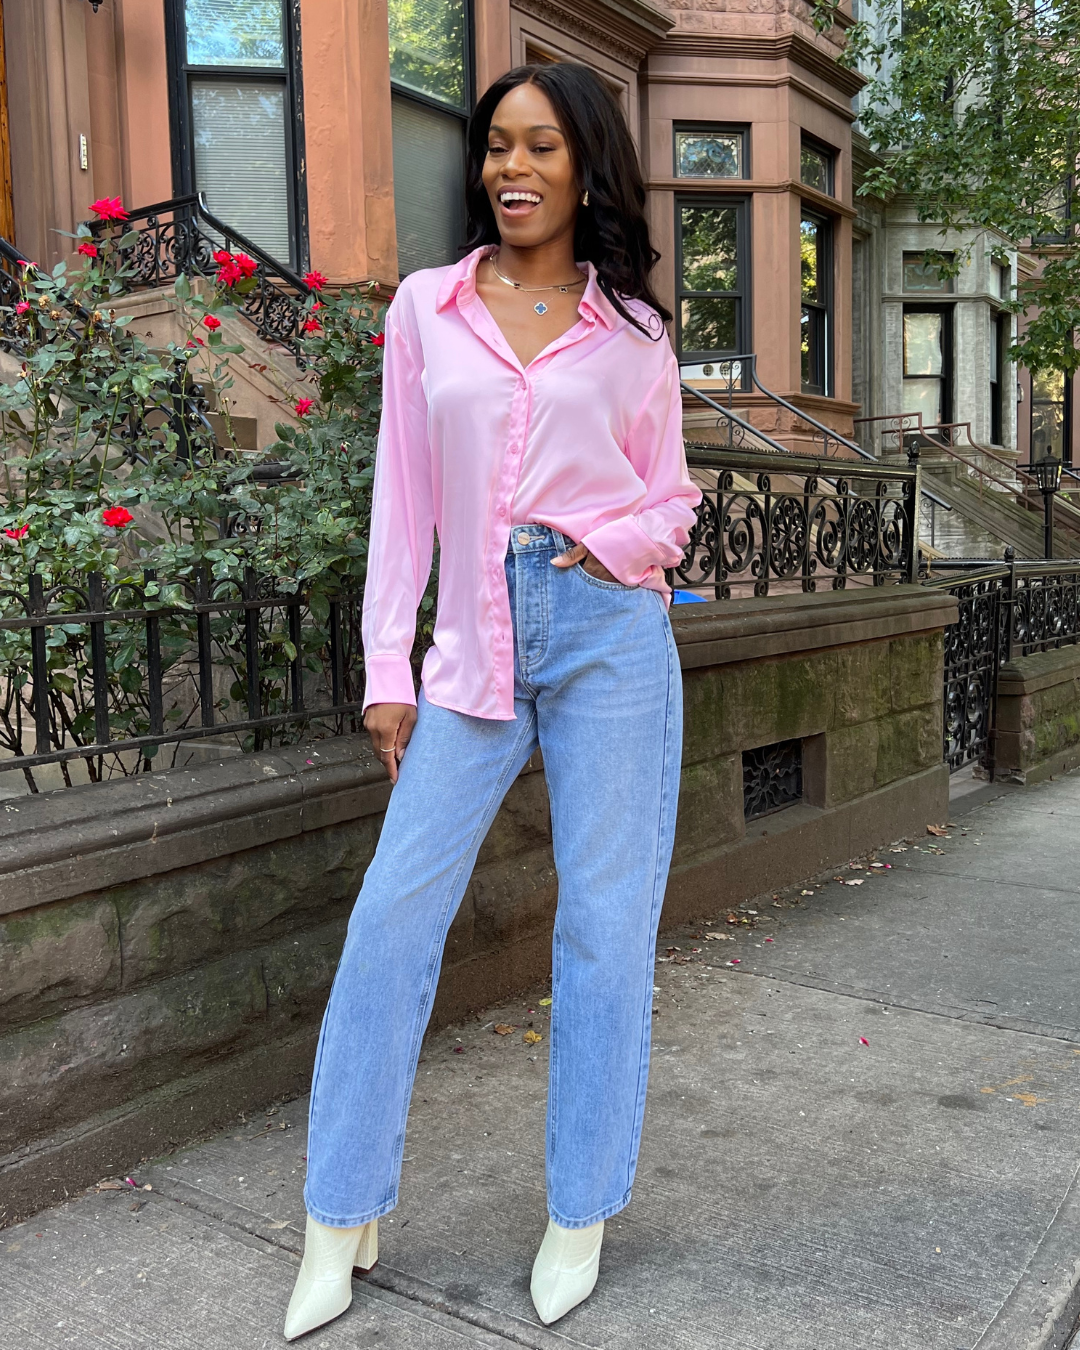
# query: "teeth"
530,197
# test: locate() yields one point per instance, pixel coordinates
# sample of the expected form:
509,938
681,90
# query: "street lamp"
1048,477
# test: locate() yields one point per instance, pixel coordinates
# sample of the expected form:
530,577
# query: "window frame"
740,129
741,296
462,114
1066,404
948,311
999,323
181,121
909,253
830,154
824,308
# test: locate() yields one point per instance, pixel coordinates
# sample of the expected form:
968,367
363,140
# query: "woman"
532,415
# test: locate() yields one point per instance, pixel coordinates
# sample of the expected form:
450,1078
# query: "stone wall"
1037,724
167,942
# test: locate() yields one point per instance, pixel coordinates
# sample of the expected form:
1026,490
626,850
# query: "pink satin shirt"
587,439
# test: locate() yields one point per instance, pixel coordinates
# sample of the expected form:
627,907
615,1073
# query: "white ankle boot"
323,1288
565,1269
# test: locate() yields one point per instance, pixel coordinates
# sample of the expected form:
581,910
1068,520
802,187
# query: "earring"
585,199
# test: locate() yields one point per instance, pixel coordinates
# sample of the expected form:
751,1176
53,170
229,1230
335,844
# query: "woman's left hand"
580,554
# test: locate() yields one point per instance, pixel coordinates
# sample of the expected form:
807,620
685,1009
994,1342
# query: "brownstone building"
330,133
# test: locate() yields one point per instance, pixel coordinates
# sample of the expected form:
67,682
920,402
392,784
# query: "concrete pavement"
862,1132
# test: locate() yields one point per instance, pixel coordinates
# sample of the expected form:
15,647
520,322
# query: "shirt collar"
460,284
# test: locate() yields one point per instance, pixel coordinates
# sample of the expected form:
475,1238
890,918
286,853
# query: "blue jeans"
597,686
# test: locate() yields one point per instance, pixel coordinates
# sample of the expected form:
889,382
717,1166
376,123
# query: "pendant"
540,307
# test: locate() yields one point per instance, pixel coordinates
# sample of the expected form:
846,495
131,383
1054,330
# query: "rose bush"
105,471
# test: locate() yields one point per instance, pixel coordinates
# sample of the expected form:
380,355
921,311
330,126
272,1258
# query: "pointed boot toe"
564,1272
323,1287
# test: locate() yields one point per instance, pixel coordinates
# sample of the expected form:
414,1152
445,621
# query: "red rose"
315,280
108,208
378,339
221,256
87,250
303,406
212,321
19,532
117,516
22,307
228,273
312,326
247,266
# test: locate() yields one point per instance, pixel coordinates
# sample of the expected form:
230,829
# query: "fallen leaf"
938,831
545,1003
504,1029
719,937
532,1038
110,1186
281,1223
806,892
857,881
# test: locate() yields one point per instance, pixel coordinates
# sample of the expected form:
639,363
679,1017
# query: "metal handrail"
744,426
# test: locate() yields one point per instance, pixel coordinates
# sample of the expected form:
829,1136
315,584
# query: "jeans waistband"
536,539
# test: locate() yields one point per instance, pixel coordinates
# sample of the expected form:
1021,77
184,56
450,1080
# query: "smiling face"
528,172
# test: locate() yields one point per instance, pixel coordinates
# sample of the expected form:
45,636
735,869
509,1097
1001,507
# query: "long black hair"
611,232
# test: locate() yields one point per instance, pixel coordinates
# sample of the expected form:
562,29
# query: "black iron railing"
768,524
107,672
181,236
1007,610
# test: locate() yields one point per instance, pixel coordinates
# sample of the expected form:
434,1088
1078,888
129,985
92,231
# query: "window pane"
239,143
710,242
995,346
429,190
814,169
1048,384
427,48
810,263
1047,429
708,154
708,326
234,33
922,344
925,277
923,396
812,350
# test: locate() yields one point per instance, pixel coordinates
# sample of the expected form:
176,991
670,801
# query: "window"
1060,204
1049,399
710,152
430,79
816,168
925,277
712,270
928,363
815,331
999,342
235,97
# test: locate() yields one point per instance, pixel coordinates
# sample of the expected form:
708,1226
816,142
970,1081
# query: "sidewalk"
864,1133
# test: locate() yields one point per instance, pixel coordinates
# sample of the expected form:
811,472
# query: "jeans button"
523,538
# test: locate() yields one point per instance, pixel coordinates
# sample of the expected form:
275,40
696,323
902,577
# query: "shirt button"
502,510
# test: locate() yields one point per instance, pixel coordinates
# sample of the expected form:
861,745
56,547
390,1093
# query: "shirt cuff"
389,680
625,550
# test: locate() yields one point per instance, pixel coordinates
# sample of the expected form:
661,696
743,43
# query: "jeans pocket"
604,585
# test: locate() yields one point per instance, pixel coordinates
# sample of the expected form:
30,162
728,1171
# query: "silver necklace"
539,307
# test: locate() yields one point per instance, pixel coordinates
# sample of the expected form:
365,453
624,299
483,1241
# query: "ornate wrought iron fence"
791,523
98,670
181,236
1007,609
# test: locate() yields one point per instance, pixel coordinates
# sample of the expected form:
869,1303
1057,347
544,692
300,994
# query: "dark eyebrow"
542,127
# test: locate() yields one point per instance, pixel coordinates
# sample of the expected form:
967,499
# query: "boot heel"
367,1251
